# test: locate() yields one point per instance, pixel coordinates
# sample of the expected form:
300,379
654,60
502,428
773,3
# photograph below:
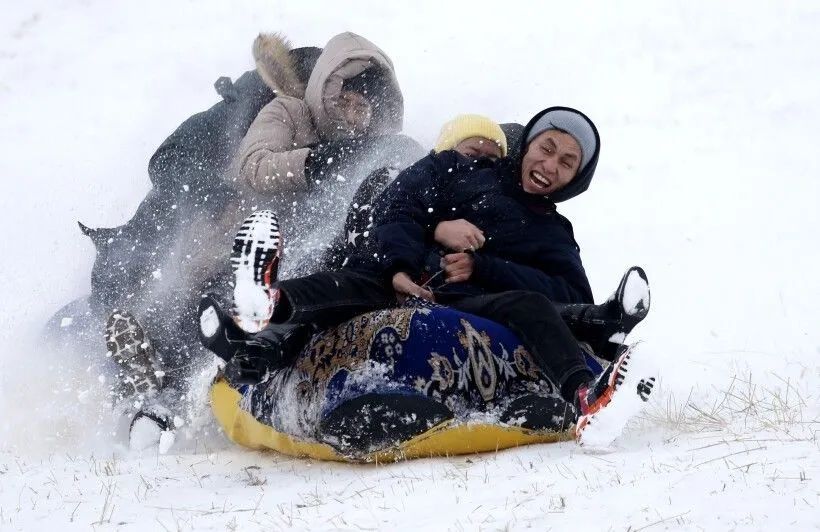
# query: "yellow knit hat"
466,126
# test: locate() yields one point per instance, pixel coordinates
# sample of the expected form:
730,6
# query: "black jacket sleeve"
566,283
407,212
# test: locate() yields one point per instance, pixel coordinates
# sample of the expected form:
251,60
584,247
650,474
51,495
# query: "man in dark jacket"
528,261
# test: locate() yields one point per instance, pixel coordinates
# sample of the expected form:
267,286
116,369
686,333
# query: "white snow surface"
708,115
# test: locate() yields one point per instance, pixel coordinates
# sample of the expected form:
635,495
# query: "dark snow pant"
329,298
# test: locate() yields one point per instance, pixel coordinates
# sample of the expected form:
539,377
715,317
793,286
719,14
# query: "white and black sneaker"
255,262
140,372
610,401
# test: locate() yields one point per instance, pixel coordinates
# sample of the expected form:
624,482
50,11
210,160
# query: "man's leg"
325,299
534,319
274,320
302,305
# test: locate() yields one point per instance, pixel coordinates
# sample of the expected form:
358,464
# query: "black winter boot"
606,326
218,332
249,357
272,348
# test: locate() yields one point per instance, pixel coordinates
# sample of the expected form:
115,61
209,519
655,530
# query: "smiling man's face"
551,161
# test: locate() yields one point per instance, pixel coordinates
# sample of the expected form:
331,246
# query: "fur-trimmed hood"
271,52
344,56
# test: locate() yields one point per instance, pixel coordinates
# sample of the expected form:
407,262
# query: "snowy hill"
708,178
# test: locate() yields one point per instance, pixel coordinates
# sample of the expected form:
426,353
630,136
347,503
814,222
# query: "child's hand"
458,267
405,287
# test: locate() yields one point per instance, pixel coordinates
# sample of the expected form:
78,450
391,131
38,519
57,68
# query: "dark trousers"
329,298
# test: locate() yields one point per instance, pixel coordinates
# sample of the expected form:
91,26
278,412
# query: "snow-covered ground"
708,178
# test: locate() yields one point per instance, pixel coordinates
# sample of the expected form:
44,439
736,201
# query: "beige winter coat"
271,157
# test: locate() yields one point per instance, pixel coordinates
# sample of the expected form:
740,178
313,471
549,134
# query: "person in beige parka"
352,93
308,150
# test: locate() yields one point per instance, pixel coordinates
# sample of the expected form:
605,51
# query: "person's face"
475,147
356,110
551,161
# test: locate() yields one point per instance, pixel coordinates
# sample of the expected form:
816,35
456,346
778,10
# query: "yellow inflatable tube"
446,439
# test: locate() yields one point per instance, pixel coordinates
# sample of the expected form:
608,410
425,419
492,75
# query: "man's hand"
459,235
405,287
458,267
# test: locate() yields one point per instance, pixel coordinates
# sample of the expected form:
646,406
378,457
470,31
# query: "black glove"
327,158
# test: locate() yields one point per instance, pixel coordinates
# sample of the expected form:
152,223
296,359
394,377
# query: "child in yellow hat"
473,136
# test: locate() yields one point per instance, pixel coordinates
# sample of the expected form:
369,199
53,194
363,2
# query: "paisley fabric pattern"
474,367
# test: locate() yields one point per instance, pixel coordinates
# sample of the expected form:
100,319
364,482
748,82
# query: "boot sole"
140,370
633,293
255,261
255,254
634,298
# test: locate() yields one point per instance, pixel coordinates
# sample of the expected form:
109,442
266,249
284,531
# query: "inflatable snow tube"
400,383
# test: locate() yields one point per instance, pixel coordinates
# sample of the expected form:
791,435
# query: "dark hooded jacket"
178,241
529,246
